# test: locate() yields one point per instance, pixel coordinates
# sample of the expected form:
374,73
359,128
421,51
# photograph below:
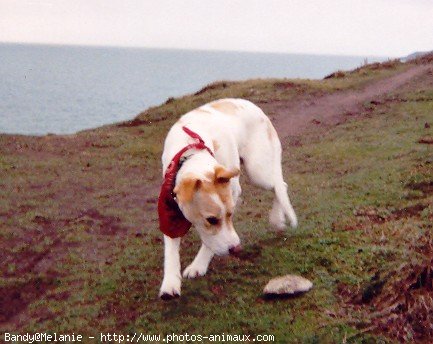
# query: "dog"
201,164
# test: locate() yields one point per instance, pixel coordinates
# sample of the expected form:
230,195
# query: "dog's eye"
212,220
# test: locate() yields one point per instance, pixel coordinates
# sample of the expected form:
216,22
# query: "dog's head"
207,203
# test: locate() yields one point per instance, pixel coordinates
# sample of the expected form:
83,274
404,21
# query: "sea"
64,89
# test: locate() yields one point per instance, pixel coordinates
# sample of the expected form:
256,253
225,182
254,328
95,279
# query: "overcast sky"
350,27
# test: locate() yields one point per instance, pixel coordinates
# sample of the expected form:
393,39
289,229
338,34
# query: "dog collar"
172,222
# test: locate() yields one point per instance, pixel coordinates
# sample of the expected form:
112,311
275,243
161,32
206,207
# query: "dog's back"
227,125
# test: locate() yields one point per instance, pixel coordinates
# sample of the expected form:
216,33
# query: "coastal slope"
81,250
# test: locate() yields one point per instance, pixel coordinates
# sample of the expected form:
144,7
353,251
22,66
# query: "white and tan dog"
206,186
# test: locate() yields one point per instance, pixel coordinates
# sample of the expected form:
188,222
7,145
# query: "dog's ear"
223,175
185,189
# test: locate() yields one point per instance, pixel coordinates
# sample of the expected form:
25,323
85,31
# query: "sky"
339,27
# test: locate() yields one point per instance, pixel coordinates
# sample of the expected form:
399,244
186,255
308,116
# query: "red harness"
172,222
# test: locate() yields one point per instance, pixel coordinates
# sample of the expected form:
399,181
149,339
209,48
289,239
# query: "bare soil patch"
410,211
15,298
399,307
428,140
425,187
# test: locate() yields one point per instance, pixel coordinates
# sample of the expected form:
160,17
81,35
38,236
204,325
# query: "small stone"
287,285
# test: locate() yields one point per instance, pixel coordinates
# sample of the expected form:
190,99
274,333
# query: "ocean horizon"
62,89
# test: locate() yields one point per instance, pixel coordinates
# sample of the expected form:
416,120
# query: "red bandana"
172,222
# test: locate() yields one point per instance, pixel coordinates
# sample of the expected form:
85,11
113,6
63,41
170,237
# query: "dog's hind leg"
282,207
262,160
199,265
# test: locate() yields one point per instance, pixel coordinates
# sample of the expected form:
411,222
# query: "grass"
109,283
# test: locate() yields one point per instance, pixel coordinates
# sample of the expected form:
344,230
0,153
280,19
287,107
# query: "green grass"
110,283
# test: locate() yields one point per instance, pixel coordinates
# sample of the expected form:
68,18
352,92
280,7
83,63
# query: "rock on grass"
287,285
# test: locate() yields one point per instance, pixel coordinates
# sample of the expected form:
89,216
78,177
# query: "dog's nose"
234,250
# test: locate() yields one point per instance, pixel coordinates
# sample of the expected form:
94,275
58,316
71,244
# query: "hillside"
81,251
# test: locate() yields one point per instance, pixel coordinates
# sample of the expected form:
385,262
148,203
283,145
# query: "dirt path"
293,119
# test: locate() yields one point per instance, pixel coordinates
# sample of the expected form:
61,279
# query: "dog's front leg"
171,283
200,263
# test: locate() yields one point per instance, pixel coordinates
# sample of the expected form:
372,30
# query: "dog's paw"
294,222
170,288
194,270
277,219
278,225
